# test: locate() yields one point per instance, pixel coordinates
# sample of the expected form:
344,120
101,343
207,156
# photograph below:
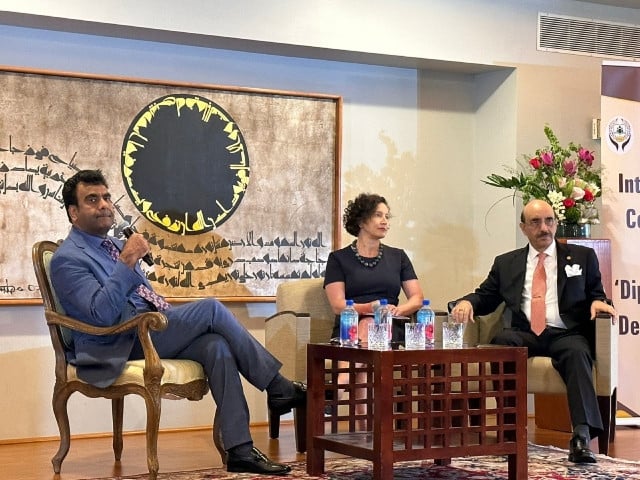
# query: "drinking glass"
378,337
452,333
414,336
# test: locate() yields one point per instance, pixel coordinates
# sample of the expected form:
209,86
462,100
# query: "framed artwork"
236,189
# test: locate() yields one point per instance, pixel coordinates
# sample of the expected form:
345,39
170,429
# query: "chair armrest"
143,322
146,321
606,351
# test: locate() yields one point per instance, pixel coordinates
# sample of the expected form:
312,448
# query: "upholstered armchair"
303,316
152,378
543,378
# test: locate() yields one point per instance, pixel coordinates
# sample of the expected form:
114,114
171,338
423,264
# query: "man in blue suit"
98,280
569,301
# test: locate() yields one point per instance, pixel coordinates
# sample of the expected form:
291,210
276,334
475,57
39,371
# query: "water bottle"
383,316
427,316
349,326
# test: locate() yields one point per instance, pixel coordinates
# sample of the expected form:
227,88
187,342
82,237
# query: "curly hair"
70,188
360,210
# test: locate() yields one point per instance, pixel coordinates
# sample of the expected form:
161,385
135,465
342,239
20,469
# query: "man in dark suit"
98,280
570,297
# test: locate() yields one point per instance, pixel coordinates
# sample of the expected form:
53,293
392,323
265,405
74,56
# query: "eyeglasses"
537,222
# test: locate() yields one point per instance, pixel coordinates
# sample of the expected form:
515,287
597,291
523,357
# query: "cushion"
175,371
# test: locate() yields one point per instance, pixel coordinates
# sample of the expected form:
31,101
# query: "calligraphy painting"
236,189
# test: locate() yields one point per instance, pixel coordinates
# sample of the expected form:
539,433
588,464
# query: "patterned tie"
538,294
145,292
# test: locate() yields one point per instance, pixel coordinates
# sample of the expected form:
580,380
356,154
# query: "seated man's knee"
508,338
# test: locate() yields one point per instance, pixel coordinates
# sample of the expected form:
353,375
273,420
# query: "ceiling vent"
583,36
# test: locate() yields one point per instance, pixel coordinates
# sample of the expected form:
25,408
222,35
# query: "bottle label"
349,328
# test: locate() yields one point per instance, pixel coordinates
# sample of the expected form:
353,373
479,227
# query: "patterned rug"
545,463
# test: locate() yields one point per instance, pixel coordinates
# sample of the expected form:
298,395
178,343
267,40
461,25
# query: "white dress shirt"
551,299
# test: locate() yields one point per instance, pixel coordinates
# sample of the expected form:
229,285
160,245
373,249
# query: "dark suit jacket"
94,290
505,283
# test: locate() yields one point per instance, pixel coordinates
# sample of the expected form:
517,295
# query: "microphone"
127,231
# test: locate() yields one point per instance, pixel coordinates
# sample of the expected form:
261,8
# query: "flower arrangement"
564,177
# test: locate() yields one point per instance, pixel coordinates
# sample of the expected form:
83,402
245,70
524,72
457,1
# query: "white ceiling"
617,3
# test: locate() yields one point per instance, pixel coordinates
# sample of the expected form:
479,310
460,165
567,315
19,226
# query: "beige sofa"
304,316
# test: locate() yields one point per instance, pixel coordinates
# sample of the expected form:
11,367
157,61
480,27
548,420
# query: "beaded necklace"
367,263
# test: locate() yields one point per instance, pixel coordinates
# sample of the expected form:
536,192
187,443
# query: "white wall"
422,137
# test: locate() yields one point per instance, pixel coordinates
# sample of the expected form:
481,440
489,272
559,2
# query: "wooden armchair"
304,316
152,378
543,378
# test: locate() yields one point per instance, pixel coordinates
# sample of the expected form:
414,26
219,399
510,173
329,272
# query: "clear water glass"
452,333
414,336
378,336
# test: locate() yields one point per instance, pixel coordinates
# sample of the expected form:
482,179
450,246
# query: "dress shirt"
551,298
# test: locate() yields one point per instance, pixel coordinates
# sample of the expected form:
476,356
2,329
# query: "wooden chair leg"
153,425
300,425
117,413
59,404
274,425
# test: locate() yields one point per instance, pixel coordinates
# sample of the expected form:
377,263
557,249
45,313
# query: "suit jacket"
576,291
94,289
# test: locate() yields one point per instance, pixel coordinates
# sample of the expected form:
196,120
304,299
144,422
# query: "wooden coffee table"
420,404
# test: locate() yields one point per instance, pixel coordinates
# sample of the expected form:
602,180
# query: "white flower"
556,198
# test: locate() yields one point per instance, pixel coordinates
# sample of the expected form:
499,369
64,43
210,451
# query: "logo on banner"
619,135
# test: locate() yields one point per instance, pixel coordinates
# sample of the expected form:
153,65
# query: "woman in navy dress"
367,271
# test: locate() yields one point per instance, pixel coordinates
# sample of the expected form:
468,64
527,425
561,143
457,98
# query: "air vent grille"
583,36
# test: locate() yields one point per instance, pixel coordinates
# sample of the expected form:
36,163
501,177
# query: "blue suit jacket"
94,289
505,283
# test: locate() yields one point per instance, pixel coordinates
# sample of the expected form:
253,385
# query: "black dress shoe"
255,462
579,451
282,405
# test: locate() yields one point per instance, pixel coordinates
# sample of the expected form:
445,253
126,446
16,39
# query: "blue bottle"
349,326
427,316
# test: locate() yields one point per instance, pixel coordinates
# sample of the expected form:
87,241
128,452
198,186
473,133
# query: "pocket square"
573,270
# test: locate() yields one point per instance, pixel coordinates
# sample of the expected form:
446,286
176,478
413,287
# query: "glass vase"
573,230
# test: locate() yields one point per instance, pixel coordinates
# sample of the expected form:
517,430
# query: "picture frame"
236,189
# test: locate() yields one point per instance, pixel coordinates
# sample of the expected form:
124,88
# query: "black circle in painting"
185,164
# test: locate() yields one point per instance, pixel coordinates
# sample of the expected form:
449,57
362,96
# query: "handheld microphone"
127,231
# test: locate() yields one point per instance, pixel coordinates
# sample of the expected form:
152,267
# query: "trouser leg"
191,320
213,353
572,358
